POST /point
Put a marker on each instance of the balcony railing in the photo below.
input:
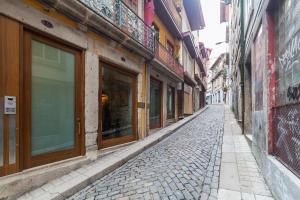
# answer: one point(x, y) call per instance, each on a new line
point(168, 59)
point(170, 4)
point(121, 16)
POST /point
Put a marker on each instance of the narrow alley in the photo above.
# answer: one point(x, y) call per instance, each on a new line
point(187, 165)
point(149, 99)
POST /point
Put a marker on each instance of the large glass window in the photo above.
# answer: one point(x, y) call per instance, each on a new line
point(170, 102)
point(117, 104)
point(155, 103)
point(1, 132)
point(52, 99)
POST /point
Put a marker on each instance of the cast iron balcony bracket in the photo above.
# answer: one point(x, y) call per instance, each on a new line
point(121, 16)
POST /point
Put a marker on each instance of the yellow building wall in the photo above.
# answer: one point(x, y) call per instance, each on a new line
point(165, 35)
point(95, 39)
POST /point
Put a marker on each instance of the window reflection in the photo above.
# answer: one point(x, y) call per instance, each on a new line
point(53, 99)
point(155, 103)
point(117, 104)
point(171, 102)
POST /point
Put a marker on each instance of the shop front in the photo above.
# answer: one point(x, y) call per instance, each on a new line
point(155, 103)
point(41, 88)
point(162, 99)
point(118, 102)
point(170, 102)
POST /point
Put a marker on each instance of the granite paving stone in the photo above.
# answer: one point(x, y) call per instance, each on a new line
point(185, 165)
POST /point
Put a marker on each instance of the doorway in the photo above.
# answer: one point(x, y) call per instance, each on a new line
point(170, 102)
point(52, 101)
point(248, 98)
point(118, 106)
point(155, 103)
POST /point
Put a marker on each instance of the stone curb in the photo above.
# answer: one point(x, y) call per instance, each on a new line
point(77, 180)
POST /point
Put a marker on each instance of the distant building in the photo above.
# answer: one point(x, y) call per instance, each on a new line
point(218, 80)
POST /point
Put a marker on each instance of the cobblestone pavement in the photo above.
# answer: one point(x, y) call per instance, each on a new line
point(186, 165)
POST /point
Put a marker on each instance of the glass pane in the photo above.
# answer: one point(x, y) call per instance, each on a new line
point(1, 131)
point(117, 104)
point(12, 139)
point(155, 101)
point(52, 100)
point(170, 102)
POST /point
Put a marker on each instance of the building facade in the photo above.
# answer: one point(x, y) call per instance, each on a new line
point(264, 56)
point(218, 80)
point(81, 76)
point(165, 73)
point(193, 57)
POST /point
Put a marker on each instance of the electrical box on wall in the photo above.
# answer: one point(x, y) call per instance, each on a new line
point(10, 105)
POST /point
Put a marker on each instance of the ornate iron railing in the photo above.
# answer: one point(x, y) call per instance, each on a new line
point(168, 59)
point(121, 16)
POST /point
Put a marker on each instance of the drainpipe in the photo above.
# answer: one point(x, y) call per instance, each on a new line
point(242, 65)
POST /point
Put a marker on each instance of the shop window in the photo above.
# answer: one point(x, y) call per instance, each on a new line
point(53, 116)
point(118, 100)
point(52, 102)
point(155, 103)
point(1, 132)
point(170, 102)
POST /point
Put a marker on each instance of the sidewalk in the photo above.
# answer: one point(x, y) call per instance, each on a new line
point(240, 176)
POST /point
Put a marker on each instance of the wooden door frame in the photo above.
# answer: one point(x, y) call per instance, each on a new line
point(9, 67)
point(161, 103)
point(125, 139)
point(29, 161)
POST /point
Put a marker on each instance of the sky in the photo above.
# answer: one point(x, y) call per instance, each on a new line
point(214, 32)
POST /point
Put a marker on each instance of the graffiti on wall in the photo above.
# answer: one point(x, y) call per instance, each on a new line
point(287, 137)
point(289, 71)
point(293, 93)
point(289, 57)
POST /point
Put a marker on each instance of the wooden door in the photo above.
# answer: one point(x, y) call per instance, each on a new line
point(53, 100)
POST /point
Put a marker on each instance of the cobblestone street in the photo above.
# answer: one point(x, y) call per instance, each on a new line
point(186, 165)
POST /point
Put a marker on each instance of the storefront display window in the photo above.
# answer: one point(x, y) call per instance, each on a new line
point(51, 103)
point(155, 103)
point(117, 104)
point(1, 132)
point(170, 102)
point(53, 124)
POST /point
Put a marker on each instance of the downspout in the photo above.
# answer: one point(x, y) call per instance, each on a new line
point(242, 65)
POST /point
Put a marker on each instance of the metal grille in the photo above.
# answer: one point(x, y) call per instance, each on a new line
point(119, 14)
point(287, 135)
